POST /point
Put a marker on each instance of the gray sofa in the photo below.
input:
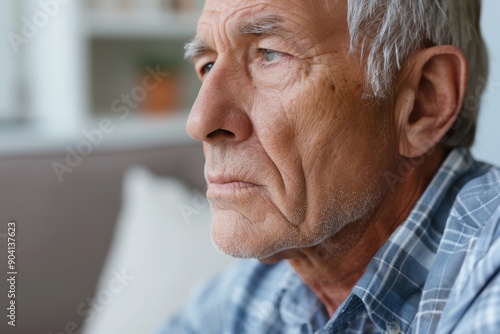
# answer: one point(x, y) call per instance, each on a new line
point(64, 229)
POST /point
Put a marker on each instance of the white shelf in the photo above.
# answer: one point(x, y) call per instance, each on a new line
point(144, 131)
point(132, 133)
point(60, 110)
point(147, 25)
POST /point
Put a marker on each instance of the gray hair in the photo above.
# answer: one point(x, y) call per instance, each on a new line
point(387, 32)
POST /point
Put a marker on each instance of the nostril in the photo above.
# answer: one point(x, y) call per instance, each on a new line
point(221, 133)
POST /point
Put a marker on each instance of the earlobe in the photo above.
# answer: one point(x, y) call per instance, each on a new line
point(429, 98)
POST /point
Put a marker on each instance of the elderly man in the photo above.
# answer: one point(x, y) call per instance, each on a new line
point(336, 135)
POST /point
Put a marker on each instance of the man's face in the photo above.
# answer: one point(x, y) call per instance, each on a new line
point(293, 151)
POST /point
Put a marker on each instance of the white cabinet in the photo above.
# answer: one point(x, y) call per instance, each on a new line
point(87, 54)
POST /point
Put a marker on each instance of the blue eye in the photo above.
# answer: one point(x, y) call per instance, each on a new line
point(206, 68)
point(271, 55)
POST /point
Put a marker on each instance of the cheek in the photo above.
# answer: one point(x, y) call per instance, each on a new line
point(336, 140)
point(323, 123)
point(274, 126)
point(281, 78)
point(323, 141)
point(274, 122)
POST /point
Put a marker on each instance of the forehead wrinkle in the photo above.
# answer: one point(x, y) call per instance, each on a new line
point(267, 25)
point(253, 22)
point(250, 19)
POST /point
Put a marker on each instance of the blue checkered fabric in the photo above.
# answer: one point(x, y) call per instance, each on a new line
point(439, 272)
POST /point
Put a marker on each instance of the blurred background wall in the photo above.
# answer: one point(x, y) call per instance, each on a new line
point(68, 64)
point(487, 145)
point(89, 88)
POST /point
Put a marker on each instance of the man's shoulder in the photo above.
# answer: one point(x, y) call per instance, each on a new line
point(478, 194)
point(243, 280)
point(475, 217)
point(220, 302)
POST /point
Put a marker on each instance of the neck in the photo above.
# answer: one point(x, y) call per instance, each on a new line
point(332, 268)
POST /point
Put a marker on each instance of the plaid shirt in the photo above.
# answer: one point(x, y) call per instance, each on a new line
point(439, 272)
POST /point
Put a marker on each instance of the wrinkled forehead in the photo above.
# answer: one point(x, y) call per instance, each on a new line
point(230, 16)
point(315, 16)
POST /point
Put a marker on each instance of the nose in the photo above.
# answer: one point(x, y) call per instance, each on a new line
point(220, 111)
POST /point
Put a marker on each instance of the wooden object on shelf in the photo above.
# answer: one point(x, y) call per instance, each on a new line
point(183, 5)
point(164, 98)
point(165, 95)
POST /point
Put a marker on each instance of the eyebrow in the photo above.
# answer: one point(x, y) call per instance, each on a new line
point(267, 25)
point(195, 49)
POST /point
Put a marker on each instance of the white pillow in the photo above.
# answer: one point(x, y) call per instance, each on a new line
point(161, 250)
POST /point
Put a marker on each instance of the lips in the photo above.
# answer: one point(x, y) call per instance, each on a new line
point(219, 185)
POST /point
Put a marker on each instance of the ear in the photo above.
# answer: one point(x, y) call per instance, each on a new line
point(430, 93)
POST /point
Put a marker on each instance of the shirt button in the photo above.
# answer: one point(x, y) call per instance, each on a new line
point(392, 328)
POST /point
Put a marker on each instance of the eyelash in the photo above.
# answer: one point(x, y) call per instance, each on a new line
point(264, 63)
point(259, 51)
point(204, 67)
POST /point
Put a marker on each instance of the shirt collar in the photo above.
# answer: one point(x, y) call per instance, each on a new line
point(299, 304)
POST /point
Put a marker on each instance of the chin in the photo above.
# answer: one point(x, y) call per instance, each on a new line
point(270, 240)
point(236, 235)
